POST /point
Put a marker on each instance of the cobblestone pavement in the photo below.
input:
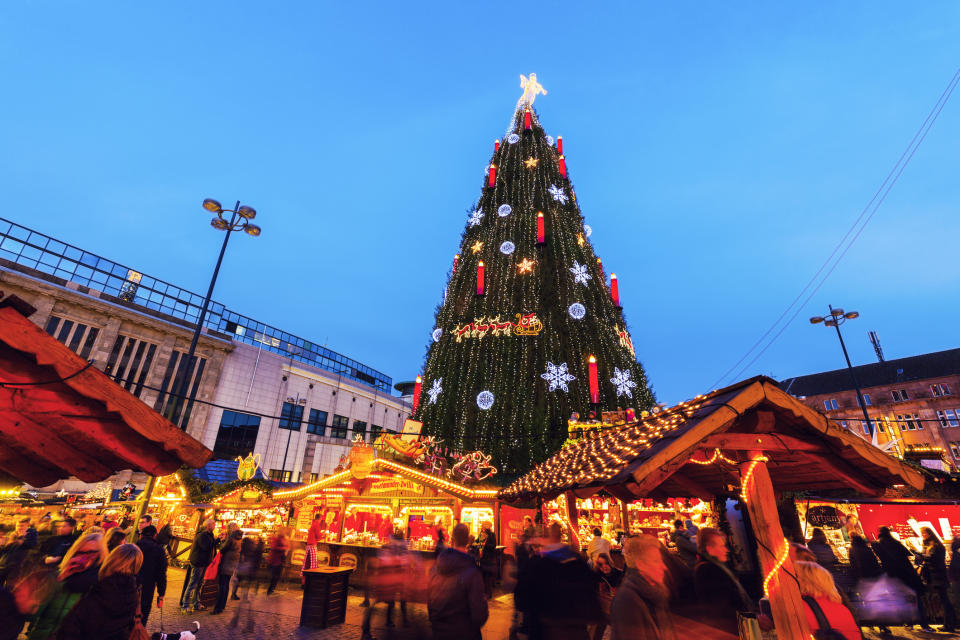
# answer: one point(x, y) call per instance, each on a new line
point(278, 616)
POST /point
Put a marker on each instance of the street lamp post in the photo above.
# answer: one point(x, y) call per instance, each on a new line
point(240, 217)
point(834, 319)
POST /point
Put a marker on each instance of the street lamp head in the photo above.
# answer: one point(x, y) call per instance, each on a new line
point(836, 313)
point(816, 320)
point(212, 205)
point(830, 323)
point(850, 315)
point(247, 212)
point(219, 223)
point(252, 230)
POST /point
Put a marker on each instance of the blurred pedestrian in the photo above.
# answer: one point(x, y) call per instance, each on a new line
point(314, 537)
point(933, 571)
point(153, 572)
point(720, 596)
point(229, 560)
point(597, 545)
point(824, 553)
point(16, 549)
point(77, 574)
point(109, 609)
point(279, 545)
point(863, 561)
point(640, 606)
point(823, 604)
point(683, 540)
point(201, 554)
point(387, 573)
point(488, 557)
point(610, 579)
point(115, 537)
point(455, 597)
point(56, 546)
point(895, 560)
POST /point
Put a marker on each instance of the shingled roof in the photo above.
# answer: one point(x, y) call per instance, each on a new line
point(928, 365)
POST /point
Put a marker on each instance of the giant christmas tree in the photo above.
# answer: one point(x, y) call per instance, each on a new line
point(526, 306)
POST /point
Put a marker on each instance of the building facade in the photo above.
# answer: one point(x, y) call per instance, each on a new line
point(258, 389)
point(914, 401)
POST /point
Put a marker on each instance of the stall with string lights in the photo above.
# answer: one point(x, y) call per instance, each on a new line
point(750, 441)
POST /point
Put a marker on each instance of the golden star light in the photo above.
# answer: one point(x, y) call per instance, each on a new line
point(476, 246)
point(580, 239)
point(531, 162)
point(525, 266)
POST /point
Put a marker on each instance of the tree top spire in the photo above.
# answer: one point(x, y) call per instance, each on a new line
point(531, 88)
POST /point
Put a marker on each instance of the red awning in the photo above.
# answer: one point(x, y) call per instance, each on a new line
point(61, 417)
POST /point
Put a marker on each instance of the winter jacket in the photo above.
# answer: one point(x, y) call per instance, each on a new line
point(719, 595)
point(895, 560)
point(456, 600)
point(203, 547)
point(640, 610)
point(826, 558)
point(558, 591)
point(954, 571)
point(153, 571)
point(279, 545)
point(106, 613)
point(488, 552)
point(934, 569)
point(251, 553)
point(57, 546)
point(864, 563)
point(58, 604)
point(230, 554)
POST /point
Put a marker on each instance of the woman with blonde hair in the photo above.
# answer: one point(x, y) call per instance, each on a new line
point(77, 575)
point(109, 610)
point(823, 601)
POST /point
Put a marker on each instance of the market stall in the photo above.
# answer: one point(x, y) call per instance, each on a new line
point(749, 442)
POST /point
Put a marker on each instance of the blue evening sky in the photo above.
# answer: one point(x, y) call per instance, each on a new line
point(719, 151)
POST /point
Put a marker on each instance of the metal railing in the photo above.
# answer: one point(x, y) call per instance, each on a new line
point(40, 252)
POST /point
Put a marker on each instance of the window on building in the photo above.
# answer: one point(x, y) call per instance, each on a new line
point(280, 476)
point(77, 336)
point(830, 405)
point(866, 400)
point(237, 435)
point(339, 427)
point(313, 478)
point(949, 417)
point(939, 390)
point(955, 450)
point(866, 427)
point(909, 421)
point(843, 423)
point(899, 395)
point(317, 423)
point(360, 428)
point(291, 416)
point(375, 430)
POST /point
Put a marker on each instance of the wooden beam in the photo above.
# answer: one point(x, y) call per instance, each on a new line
point(46, 444)
point(787, 607)
point(692, 488)
point(18, 463)
point(838, 470)
point(758, 421)
point(759, 442)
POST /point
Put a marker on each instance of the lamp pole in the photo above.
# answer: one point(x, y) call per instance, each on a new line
point(834, 319)
point(179, 407)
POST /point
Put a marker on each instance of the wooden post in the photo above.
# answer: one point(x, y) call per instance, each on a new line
point(573, 516)
point(788, 609)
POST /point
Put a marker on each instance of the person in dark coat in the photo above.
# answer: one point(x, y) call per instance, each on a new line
point(640, 609)
point(488, 558)
point(933, 571)
point(610, 579)
point(13, 555)
point(683, 540)
point(109, 610)
point(204, 546)
point(557, 591)
point(719, 593)
point(229, 560)
point(153, 573)
point(863, 561)
point(895, 560)
point(455, 599)
point(56, 546)
point(954, 571)
point(818, 544)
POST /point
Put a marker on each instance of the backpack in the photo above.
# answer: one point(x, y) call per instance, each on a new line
point(824, 630)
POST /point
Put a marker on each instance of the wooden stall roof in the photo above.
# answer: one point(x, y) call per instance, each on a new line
point(61, 417)
point(402, 470)
point(693, 449)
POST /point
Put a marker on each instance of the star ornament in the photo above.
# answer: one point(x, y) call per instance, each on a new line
point(531, 162)
point(525, 266)
point(580, 239)
point(477, 246)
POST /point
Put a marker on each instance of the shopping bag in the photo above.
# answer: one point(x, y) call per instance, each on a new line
point(213, 568)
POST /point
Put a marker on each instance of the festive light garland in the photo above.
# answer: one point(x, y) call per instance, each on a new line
point(717, 455)
point(748, 476)
point(784, 554)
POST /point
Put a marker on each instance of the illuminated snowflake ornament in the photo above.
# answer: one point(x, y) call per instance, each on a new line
point(507, 247)
point(485, 400)
point(588, 230)
point(550, 140)
point(580, 274)
point(504, 210)
point(557, 376)
point(577, 311)
point(513, 138)
point(558, 194)
point(621, 379)
point(435, 390)
point(436, 334)
point(475, 218)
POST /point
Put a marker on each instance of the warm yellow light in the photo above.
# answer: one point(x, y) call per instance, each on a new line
point(481, 263)
point(419, 379)
point(592, 359)
point(539, 214)
point(613, 276)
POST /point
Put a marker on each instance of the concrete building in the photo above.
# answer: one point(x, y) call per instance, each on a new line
point(258, 389)
point(915, 401)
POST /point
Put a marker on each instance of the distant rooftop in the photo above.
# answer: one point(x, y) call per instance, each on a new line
point(921, 367)
point(37, 251)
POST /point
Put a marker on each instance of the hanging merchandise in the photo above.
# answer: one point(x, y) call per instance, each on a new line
point(580, 274)
point(558, 195)
point(435, 390)
point(577, 311)
point(485, 400)
point(621, 379)
point(557, 376)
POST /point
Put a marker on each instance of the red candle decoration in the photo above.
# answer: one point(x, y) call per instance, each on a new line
point(456, 261)
point(540, 232)
point(563, 166)
point(527, 120)
point(496, 145)
point(416, 394)
point(614, 289)
point(492, 177)
point(480, 282)
point(560, 144)
point(594, 385)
